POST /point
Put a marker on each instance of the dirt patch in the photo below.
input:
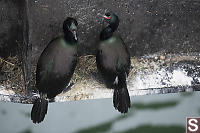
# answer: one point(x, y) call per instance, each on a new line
point(11, 74)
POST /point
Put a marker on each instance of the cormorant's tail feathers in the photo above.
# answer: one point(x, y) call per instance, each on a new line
point(121, 100)
point(39, 110)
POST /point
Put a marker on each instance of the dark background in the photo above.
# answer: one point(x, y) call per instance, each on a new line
point(147, 26)
point(11, 26)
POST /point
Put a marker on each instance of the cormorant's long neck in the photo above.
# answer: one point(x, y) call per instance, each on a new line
point(69, 37)
point(114, 25)
point(107, 32)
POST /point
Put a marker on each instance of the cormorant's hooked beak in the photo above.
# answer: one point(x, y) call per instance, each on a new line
point(73, 29)
point(75, 35)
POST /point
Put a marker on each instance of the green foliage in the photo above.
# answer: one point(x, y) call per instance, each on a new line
point(154, 105)
point(98, 129)
point(103, 127)
point(156, 129)
point(26, 131)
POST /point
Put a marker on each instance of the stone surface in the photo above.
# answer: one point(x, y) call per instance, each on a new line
point(166, 26)
point(148, 27)
point(11, 26)
point(147, 77)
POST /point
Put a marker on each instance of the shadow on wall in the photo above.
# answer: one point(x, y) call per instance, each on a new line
point(11, 25)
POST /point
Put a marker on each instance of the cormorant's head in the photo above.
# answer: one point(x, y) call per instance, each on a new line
point(111, 17)
point(70, 25)
point(113, 21)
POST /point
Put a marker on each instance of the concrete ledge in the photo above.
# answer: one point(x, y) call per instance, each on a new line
point(154, 74)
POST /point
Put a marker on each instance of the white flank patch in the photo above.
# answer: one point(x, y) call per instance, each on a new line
point(116, 80)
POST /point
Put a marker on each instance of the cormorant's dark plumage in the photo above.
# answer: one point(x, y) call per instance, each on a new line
point(55, 68)
point(113, 62)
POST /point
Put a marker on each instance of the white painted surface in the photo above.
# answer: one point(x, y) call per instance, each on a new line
point(71, 117)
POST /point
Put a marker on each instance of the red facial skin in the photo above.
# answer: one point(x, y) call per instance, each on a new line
point(107, 17)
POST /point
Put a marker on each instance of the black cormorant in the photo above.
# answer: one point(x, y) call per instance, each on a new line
point(55, 68)
point(113, 62)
